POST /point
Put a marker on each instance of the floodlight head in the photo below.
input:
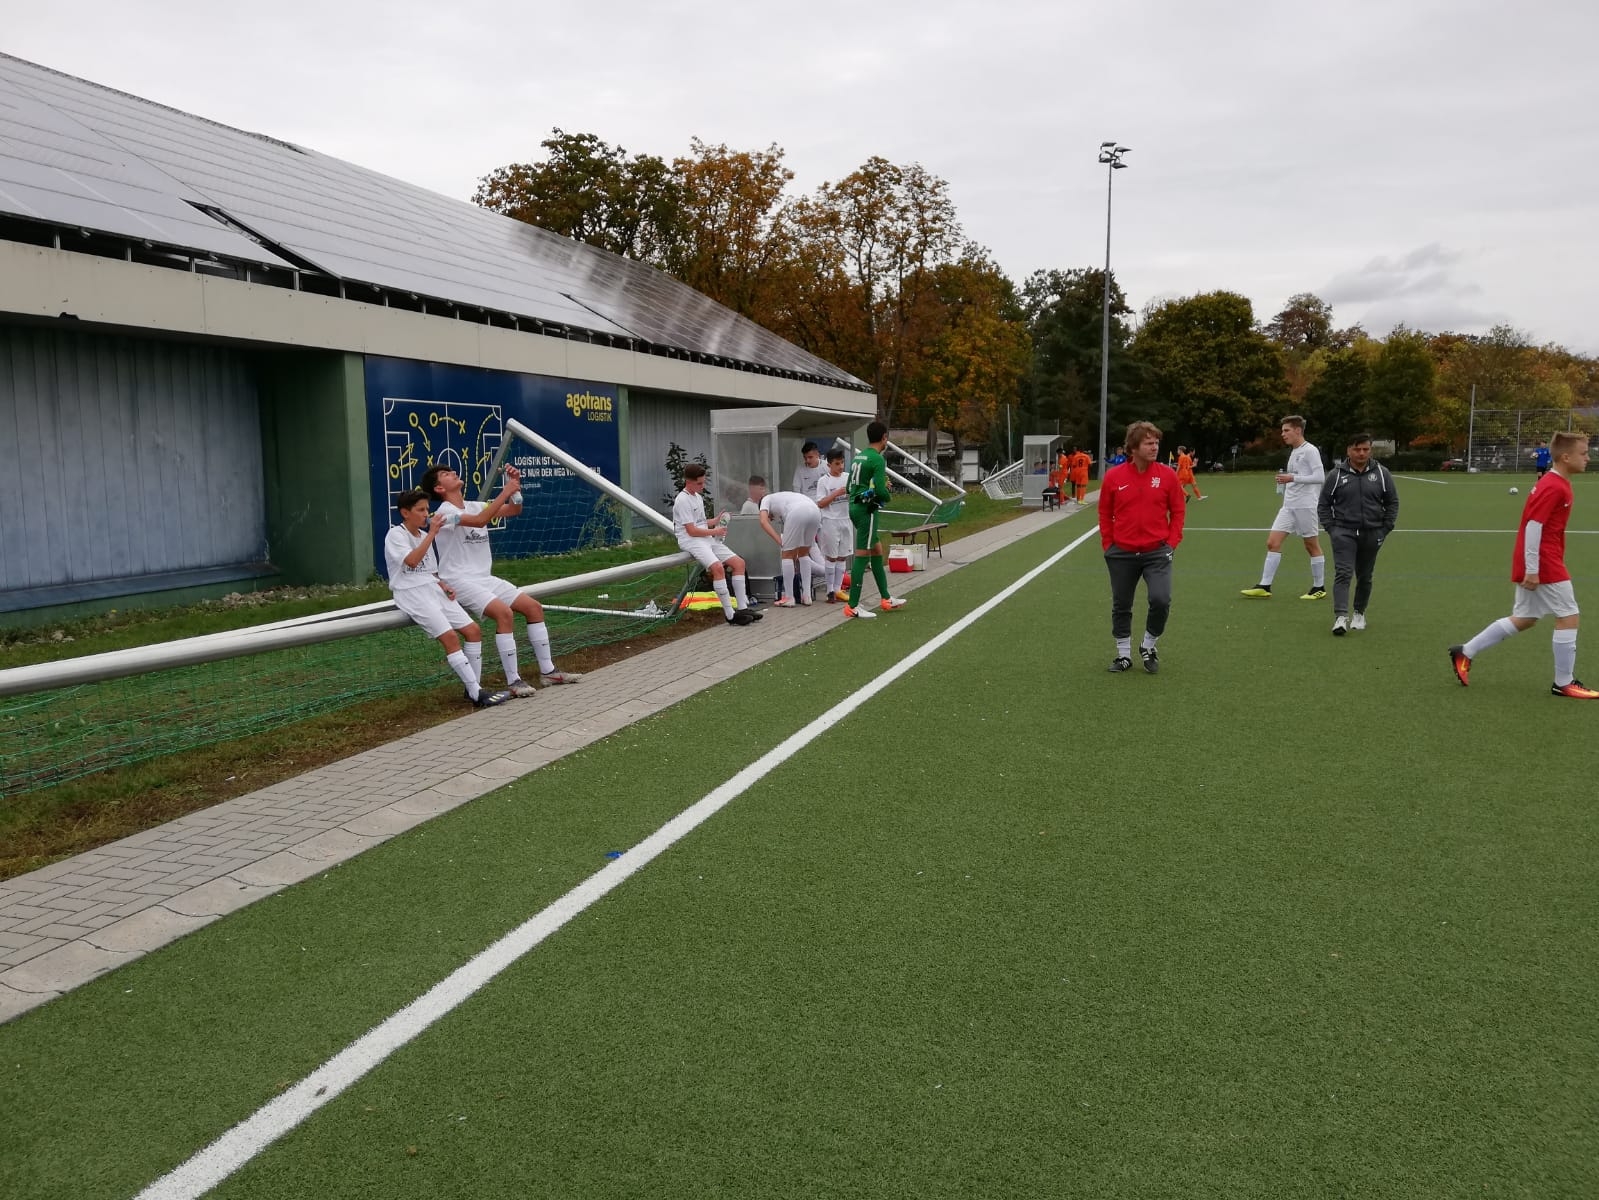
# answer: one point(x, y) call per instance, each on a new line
point(1118, 166)
point(1106, 145)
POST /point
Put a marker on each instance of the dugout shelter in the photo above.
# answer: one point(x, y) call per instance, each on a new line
point(223, 355)
point(1039, 452)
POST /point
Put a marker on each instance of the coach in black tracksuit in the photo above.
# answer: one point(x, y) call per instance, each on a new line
point(1359, 508)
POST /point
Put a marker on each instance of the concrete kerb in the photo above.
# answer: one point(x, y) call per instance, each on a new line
point(308, 839)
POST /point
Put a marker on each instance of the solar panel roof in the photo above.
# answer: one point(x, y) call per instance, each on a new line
point(75, 153)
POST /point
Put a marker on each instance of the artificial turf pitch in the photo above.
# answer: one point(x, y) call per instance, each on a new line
point(1298, 916)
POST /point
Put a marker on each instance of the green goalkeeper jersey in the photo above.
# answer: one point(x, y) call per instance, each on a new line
point(867, 472)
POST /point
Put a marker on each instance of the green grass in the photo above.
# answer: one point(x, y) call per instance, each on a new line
point(1298, 917)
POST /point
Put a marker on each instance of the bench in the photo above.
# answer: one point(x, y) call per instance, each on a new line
point(931, 530)
point(1051, 498)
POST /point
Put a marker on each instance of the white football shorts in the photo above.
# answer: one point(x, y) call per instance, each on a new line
point(430, 608)
point(706, 551)
point(838, 539)
point(799, 530)
point(1301, 522)
point(478, 594)
point(1546, 600)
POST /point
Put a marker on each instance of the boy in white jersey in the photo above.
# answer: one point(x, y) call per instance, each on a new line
point(801, 522)
point(467, 565)
point(1300, 486)
point(809, 471)
point(421, 595)
point(702, 538)
point(837, 537)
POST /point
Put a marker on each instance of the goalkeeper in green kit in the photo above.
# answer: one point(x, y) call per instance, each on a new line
point(868, 492)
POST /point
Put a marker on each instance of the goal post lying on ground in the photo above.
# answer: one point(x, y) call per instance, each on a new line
point(65, 719)
point(1005, 483)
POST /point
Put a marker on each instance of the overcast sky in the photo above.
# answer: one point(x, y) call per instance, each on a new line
point(1428, 161)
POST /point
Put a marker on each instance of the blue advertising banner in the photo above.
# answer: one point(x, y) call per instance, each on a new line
point(419, 414)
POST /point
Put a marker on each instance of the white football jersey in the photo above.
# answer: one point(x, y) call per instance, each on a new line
point(781, 506)
point(396, 546)
point(805, 478)
point(825, 486)
point(1304, 464)
point(688, 509)
point(463, 552)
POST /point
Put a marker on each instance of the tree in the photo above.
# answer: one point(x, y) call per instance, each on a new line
point(1304, 324)
point(1401, 387)
point(729, 239)
point(883, 228)
point(1333, 404)
point(591, 192)
point(1213, 379)
point(1065, 311)
point(978, 359)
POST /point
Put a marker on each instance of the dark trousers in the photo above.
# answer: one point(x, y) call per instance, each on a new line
point(1126, 569)
point(1354, 554)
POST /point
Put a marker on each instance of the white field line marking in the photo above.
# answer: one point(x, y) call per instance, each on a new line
point(1402, 529)
point(1419, 479)
point(245, 1140)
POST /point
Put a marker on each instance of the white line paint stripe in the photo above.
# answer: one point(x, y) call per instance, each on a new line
point(1402, 529)
point(1419, 479)
point(252, 1135)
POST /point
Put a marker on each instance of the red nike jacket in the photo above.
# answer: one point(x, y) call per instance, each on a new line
point(1141, 510)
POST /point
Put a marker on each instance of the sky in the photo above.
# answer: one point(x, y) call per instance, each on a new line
point(1431, 162)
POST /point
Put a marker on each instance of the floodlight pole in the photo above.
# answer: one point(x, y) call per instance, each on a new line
point(1111, 155)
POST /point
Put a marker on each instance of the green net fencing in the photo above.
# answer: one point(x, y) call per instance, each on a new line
point(51, 737)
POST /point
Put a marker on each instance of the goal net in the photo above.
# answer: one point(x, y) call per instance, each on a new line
point(1506, 439)
point(601, 561)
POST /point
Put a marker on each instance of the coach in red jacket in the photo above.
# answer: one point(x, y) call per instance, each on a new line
point(1141, 510)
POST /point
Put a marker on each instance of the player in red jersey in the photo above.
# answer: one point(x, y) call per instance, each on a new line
point(1141, 509)
point(1538, 568)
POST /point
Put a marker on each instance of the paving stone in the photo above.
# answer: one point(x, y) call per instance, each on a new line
point(14, 1003)
point(277, 871)
point(331, 846)
point(384, 822)
point(22, 954)
point(216, 898)
point(64, 968)
point(145, 931)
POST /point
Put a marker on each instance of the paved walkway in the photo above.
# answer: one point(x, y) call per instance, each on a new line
point(65, 924)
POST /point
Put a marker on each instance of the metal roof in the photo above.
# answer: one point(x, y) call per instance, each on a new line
point(73, 153)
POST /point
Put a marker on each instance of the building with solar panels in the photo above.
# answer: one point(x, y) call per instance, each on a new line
point(221, 355)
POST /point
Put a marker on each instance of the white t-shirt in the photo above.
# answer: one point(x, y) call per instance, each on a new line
point(396, 546)
point(463, 552)
point(782, 506)
point(805, 478)
point(688, 509)
point(825, 486)
point(1304, 464)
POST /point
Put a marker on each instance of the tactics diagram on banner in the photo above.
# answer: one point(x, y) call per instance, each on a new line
point(420, 433)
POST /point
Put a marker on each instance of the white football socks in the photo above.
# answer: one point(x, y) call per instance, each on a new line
point(1565, 656)
point(505, 643)
point(463, 671)
point(719, 586)
point(474, 655)
point(538, 636)
point(1318, 571)
point(1501, 629)
point(1269, 571)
